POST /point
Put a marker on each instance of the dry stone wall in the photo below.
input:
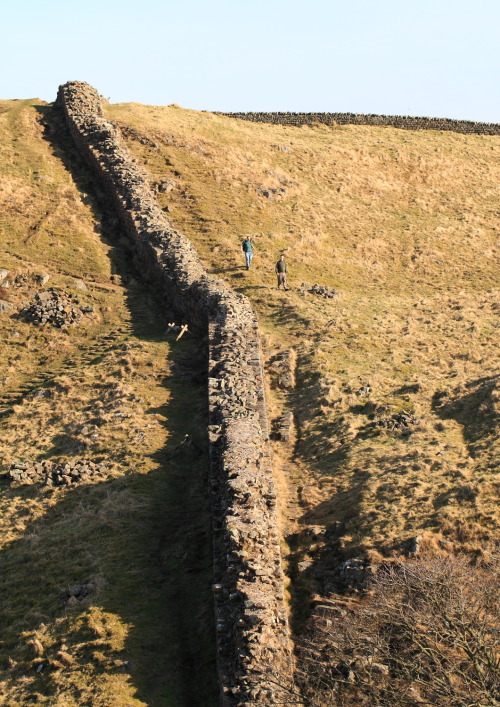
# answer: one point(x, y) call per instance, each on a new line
point(405, 122)
point(254, 650)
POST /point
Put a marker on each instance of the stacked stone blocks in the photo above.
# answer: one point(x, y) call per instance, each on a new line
point(404, 122)
point(252, 635)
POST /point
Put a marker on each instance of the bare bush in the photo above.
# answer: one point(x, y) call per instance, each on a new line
point(427, 633)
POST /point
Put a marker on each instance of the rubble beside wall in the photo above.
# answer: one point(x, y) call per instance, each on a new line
point(252, 635)
point(405, 122)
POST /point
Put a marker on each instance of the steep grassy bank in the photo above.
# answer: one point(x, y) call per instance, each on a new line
point(105, 586)
point(404, 226)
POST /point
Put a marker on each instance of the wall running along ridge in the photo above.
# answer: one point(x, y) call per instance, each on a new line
point(395, 121)
point(252, 634)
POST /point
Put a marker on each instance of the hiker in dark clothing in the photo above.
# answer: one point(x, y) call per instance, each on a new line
point(280, 270)
point(248, 247)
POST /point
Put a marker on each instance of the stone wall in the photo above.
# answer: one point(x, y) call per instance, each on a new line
point(253, 645)
point(395, 121)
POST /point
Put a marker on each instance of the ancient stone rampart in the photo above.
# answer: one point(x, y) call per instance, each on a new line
point(405, 122)
point(254, 650)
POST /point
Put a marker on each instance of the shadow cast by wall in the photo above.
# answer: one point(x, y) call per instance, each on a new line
point(475, 407)
point(336, 528)
point(144, 543)
point(148, 536)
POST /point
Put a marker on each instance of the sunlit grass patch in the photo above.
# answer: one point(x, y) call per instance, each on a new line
point(402, 225)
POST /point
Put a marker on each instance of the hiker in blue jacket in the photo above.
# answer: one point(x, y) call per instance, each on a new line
point(248, 247)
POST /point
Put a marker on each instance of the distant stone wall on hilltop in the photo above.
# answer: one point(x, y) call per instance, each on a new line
point(467, 127)
point(252, 633)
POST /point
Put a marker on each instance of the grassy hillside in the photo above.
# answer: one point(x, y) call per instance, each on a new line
point(105, 586)
point(403, 225)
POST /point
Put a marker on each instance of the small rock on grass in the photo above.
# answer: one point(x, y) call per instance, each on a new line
point(42, 279)
point(6, 306)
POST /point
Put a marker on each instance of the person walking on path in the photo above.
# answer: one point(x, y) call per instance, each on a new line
point(248, 247)
point(281, 271)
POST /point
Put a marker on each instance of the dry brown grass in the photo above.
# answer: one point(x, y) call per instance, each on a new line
point(426, 633)
point(101, 390)
point(404, 225)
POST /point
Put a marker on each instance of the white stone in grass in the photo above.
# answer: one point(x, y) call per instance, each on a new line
point(6, 306)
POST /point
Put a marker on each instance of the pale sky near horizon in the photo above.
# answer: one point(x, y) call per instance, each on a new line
point(437, 58)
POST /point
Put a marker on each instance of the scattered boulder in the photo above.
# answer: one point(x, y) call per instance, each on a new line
point(23, 280)
point(283, 366)
point(166, 186)
point(134, 134)
point(380, 669)
point(282, 179)
point(42, 279)
point(50, 474)
point(401, 421)
point(322, 290)
point(271, 194)
point(355, 572)
point(72, 596)
point(4, 274)
point(413, 546)
point(364, 390)
point(6, 306)
point(284, 427)
point(367, 664)
point(55, 308)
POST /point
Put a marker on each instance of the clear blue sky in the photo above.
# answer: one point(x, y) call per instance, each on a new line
point(437, 58)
